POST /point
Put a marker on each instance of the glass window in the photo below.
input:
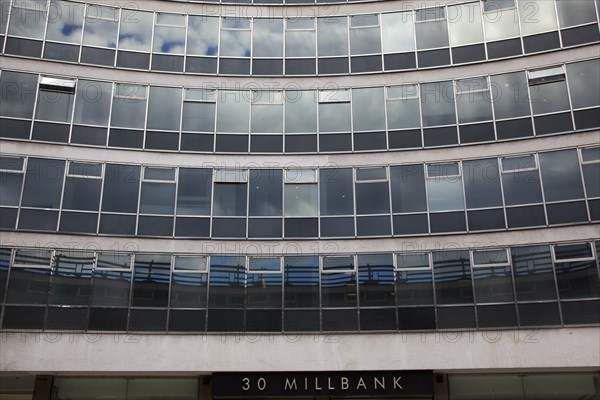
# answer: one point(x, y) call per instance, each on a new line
point(575, 13)
point(414, 279)
point(368, 109)
point(121, 186)
point(233, 111)
point(520, 180)
point(365, 36)
point(266, 187)
point(129, 106)
point(576, 271)
point(473, 100)
point(82, 187)
point(337, 197)
point(189, 287)
point(194, 191)
point(376, 280)
point(465, 24)
point(537, 16)
point(332, 36)
point(43, 176)
point(136, 30)
point(548, 90)
point(235, 37)
point(444, 187)
point(300, 37)
point(591, 170)
point(334, 111)
point(101, 26)
point(169, 33)
point(437, 103)
point(372, 197)
point(452, 271)
point(227, 282)
point(509, 94)
point(92, 105)
point(203, 33)
point(408, 188)
point(17, 94)
point(230, 199)
point(199, 110)
point(112, 278)
point(338, 281)
point(500, 19)
point(267, 112)
point(55, 99)
point(65, 21)
point(151, 280)
point(264, 282)
point(71, 277)
point(403, 107)
point(11, 180)
point(164, 108)
point(268, 37)
point(482, 183)
point(300, 199)
point(300, 111)
point(492, 276)
point(28, 18)
point(301, 281)
point(29, 281)
point(158, 192)
point(431, 28)
point(534, 278)
point(561, 175)
point(398, 33)
point(584, 83)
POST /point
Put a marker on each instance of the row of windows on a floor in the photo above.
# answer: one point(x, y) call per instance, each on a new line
point(490, 287)
point(454, 196)
point(161, 41)
point(476, 109)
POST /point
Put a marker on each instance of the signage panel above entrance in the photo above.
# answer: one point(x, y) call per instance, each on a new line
point(397, 384)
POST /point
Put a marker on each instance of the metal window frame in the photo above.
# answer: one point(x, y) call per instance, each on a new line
point(397, 267)
point(493, 264)
point(253, 271)
point(512, 171)
point(175, 256)
point(131, 262)
point(71, 175)
point(37, 266)
point(354, 269)
point(555, 260)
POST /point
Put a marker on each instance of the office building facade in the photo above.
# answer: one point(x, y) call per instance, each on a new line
point(269, 199)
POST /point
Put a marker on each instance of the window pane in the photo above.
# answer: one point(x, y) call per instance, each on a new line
point(493, 284)
point(198, 116)
point(473, 100)
point(372, 198)
point(537, 16)
point(230, 199)
point(266, 187)
point(18, 94)
point(129, 106)
point(121, 186)
point(368, 109)
point(335, 187)
point(233, 111)
point(136, 30)
point(301, 276)
point(338, 290)
point(403, 107)
point(522, 187)
point(235, 41)
point(264, 290)
point(366, 39)
point(432, 33)
point(464, 21)
point(332, 36)
point(300, 37)
point(203, 35)
point(227, 282)
point(101, 26)
point(169, 33)
point(376, 280)
point(300, 111)
point(500, 23)
point(571, 13)
point(509, 93)
point(445, 193)
point(65, 22)
point(300, 200)
point(157, 198)
point(29, 20)
point(334, 117)
point(452, 272)
point(54, 105)
point(398, 33)
point(414, 287)
point(584, 82)
point(561, 176)
point(482, 183)
point(408, 188)
point(164, 108)
point(549, 97)
point(534, 279)
point(268, 37)
point(43, 176)
point(93, 102)
point(151, 280)
point(194, 191)
point(82, 194)
point(71, 278)
point(437, 103)
point(189, 290)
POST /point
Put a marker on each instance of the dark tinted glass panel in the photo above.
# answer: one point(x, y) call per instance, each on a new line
point(121, 186)
point(521, 217)
point(408, 188)
point(534, 279)
point(155, 226)
point(300, 66)
point(337, 227)
point(522, 187)
point(157, 197)
point(399, 61)
point(71, 278)
point(38, 220)
point(370, 141)
point(497, 316)
point(411, 224)
point(561, 176)
point(263, 321)
point(229, 227)
point(162, 140)
point(339, 320)
point(564, 213)
point(539, 314)
point(126, 59)
point(300, 143)
point(266, 188)
point(301, 227)
point(234, 66)
point(89, 135)
point(338, 290)
point(452, 271)
point(482, 183)
point(197, 142)
point(486, 219)
point(12, 128)
point(201, 65)
point(266, 143)
point(117, 224)
point(366, 64)
point(301, 320)
point(553, 123)
point(414, 287)
point(513, 129)
point(63, 52)
point(187, 320)
point(373, 226)
point(227, 282)
point(148, 320)
point(230, 199)
point(372, 198)
point(111, 288)
point(107, 319)
point(8, 218)
point(581, 312)
point(28, 286)
point(577, 279)
point(23, 317)
point(48, 132)
point(66, 318)
point(4, 264)
point(43, 176)
point(194, 191)
point(505, 48)
point(23, 47)
point(376, 280)
point(448, 222)
point(263, 290)
point(333, 66)
point(433, 58)
point(82, 194)
point(18, 94)
point(225, 320)
point(126, 138)
point(162, 62)
point(232, 143)
point(545, 41)
point(440, 136)
point(404, 139)
point(189, 290)
point(456, 317)
point(467, 54)
point(493, 284)
point(477, 133)
point(336, 191)
point(301, 281)
point(335, 142)
point(151, 280)
point(378, 319)
point(419, 318)
point(267, 67)
point(91, 55)
point(265, 227)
